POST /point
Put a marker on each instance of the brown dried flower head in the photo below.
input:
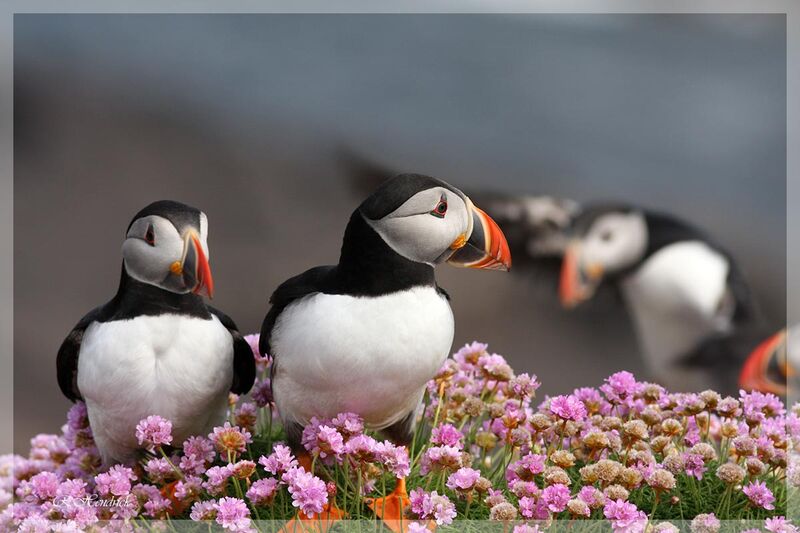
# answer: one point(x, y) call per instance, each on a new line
point(731, 473)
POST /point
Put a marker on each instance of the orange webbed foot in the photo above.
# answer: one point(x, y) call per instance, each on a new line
point(390, 508)
point(302, 523)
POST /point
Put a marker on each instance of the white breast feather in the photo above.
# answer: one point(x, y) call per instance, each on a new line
point(368, 355)
point(175, 366)
point(675, 299)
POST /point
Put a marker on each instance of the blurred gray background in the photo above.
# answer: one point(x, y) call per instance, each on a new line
point(247, 117)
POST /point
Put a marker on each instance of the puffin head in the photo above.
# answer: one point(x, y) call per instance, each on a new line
point(605, 241)
point(166, 246)
point(429, 221)
point(538, 226)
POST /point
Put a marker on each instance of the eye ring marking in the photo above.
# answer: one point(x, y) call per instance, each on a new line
point(150, 236)
point(441, 208)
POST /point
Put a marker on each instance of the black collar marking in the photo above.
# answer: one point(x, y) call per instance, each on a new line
point(135, 298)
point(369, 267)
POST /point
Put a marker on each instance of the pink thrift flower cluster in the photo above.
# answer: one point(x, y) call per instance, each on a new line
point(628, 452)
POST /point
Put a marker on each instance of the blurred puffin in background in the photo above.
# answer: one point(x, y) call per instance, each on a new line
point(774, 365)
point(367, 334)
point(156, 348)
point(691, 307)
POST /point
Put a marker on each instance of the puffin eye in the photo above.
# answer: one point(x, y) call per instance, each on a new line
point(150, 236)
point(607, 235)
point(440, 209)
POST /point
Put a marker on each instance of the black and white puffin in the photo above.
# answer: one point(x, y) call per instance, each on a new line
point(366, 335)
point(691, 308)
point(156, 347)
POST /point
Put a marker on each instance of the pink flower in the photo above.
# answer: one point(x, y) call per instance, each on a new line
point(625, 517)
point(568, 408)
point(438, 458)
point(158, 469)
point(620, 386)
point(591, 496)
point(468, 355)
point(206, 510)
point(262, 392)
point(779, 524)
point(198, 452)
point(155, 505)
point(230, 440)
point(322, 440)
point(309, 493)
point(533, 509)
point(693, 464)
point(361, 448)
point(463, 479)
point(117, 481)
point(246, 415)
point(526, 468)
point(556, 497)
point(524, 385)
point(233, 514)
point(348, 424)
point(525, 528)
point(188, 488)
point(705, 523)
point(760, 495)
point(394, 458)
point(262, 491)
point(592, 400)
point(280, 461)
point(44, 485)
point(71, 488)
point(154, 431)
point(432, 506)
point(217, 478)
point(447, 435)
point(261, 360)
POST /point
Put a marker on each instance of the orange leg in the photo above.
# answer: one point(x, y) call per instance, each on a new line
point(321, 523)
point(390, 508)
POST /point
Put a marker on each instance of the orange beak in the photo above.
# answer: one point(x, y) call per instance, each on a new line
point(485, 248)
point(195, 269)
point(767, 368)
point(577, 283)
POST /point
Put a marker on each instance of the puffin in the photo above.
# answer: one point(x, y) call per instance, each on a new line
point(365, 335)
point(156, 348)
point(691, 307)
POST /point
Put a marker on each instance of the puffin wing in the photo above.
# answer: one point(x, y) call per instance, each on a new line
point(244, 364)
point(309, 282)
point(67, 359)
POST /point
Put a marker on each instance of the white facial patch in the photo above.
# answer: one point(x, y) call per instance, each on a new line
point(151, 263)
point(615, 241)
point(414, 232)
point(204, 234)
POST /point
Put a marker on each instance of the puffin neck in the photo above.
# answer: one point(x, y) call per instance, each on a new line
point(135, 298)
point(369, 267)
